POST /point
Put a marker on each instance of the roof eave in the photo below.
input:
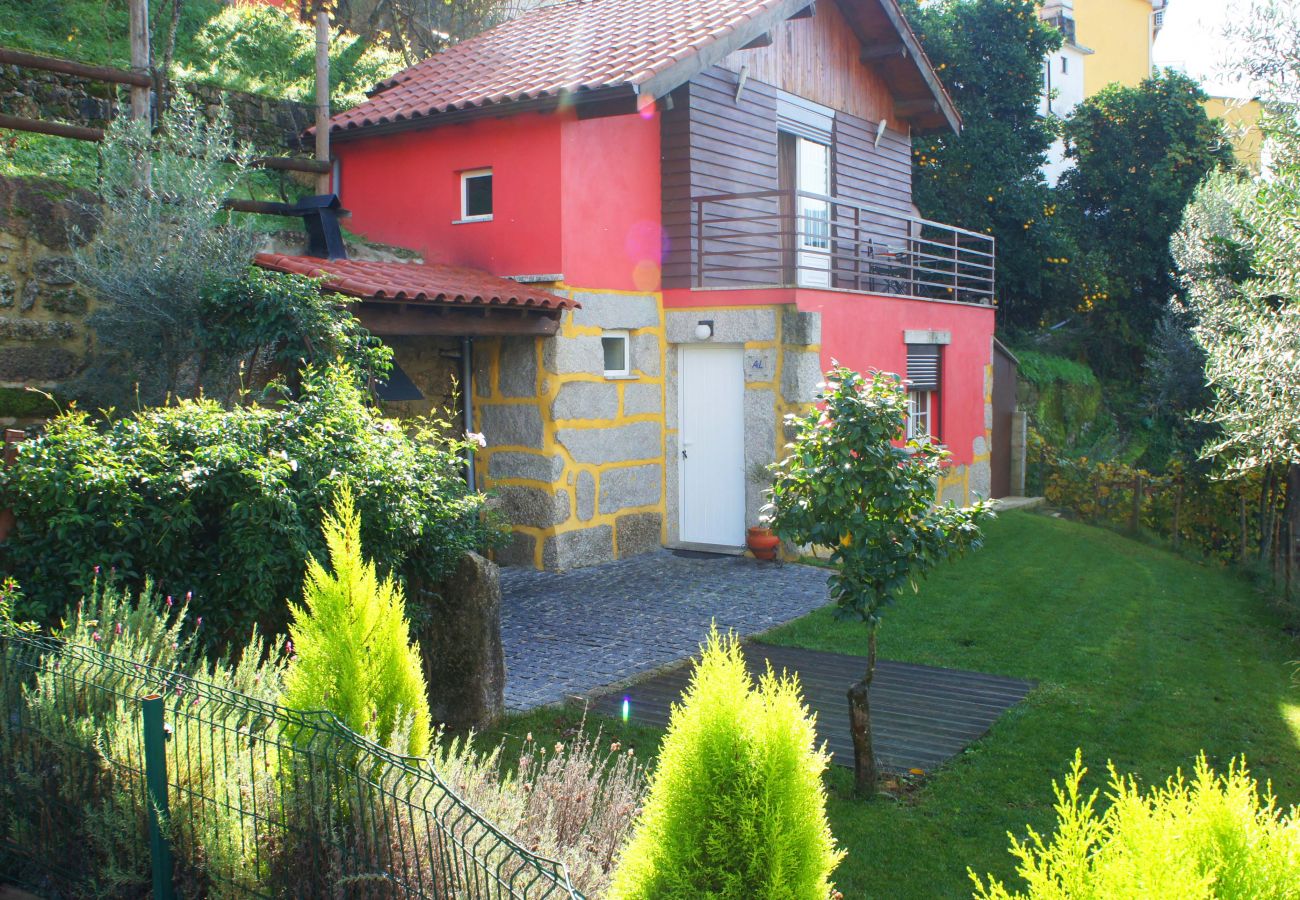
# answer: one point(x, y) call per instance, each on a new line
point(578, 100)
point(946, 108)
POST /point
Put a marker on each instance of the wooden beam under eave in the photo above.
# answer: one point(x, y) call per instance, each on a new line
point(806, 13)
point(763, 40)
point(393, 320)
point(884, 51)
point(907, 109)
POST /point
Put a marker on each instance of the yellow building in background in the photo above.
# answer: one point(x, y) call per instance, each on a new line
point(1120, 34)
point(1241, 122)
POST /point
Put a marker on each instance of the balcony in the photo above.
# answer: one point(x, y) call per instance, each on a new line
point(788, 239)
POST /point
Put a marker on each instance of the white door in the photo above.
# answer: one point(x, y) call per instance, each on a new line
point(813, 177)
point(712, 455)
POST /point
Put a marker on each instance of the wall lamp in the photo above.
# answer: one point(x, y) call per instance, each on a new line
point(704, 329)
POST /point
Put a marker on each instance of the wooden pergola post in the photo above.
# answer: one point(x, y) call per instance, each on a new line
point(323, 179)
point(140, 57)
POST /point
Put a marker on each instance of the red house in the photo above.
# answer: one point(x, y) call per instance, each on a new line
point(648, 226)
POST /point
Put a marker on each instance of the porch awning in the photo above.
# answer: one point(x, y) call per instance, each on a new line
point(406, 298)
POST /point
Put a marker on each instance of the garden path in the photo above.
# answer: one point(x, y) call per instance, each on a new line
point(567, 634)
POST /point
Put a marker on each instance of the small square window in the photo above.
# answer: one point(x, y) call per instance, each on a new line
point(615, 344)
point(476, 195)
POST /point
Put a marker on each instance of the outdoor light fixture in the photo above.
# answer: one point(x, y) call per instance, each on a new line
point(704, 329)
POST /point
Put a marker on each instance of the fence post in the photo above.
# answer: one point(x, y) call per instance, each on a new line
point(1135, 519)
point(155, 779)
point(1178, 514)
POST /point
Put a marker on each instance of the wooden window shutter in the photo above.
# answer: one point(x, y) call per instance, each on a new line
point(923, 367)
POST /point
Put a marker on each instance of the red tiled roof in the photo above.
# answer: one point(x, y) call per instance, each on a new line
point(415, 282)
point(570, 47)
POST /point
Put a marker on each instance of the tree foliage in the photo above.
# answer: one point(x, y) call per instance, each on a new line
point(268, 325)
point(989, 55)
point(1138, 155)
point(159, 243)
point(736, 807)
point(850, 484)
point(354, 654)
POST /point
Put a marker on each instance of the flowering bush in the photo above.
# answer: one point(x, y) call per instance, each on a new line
point(70, 745)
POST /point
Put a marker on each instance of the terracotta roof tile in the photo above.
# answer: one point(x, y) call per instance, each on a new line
point(415, 282)
point(570, 47)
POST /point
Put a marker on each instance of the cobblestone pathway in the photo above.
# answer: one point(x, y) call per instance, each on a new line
point(568, 633)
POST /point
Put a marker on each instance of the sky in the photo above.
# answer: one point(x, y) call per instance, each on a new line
point(1193, 41)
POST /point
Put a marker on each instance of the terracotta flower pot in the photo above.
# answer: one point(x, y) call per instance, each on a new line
point(762, 542)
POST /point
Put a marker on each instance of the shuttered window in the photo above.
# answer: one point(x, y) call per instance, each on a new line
point(795, 115)
point(923, 366)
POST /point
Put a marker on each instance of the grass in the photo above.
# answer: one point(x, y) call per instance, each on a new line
point(1142, 657)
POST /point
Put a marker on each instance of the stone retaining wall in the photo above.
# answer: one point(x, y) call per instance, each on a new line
point(43, 333)
point(271, 125)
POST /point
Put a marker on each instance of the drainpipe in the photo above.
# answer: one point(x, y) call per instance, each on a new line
point(467, 393)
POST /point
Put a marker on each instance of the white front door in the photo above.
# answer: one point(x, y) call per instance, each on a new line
point(712, 456)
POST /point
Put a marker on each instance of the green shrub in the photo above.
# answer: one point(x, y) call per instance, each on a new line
point(353, 644)
point(227, 503)
point(736, 807)
point(267, 325)
point(1043, 369)
point(1212, 837)
point(70, 746)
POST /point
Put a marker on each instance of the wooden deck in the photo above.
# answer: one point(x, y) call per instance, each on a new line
point(922, 716)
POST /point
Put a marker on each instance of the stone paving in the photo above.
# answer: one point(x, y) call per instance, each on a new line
point(568, 633)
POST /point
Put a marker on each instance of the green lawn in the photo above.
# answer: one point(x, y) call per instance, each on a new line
point(1142, 657)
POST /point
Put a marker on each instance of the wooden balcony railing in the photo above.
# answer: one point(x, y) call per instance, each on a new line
point(799, 239)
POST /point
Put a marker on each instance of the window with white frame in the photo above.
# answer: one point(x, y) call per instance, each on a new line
point(618, 357)
point(476, 195)
point(923, 382)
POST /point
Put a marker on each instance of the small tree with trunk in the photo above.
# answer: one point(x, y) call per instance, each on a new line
point(852, 483)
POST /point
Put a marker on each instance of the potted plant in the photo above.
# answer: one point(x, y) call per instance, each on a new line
point(759, 538)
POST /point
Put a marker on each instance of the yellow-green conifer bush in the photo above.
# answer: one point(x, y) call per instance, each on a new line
point(1210, 837)
point(736, 807)
point(354, 652)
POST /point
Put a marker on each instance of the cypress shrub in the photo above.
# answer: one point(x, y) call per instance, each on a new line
point(354, 652)
point(1210, 837)
point(736, 807)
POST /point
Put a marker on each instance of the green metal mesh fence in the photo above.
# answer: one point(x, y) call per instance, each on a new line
point(260, 800)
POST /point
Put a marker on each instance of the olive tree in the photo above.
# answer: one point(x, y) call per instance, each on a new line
point(1238, 255)
point(850, 482)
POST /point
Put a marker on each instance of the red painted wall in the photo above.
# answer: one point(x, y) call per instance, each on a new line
point(611, 202)
point(864, 332)
point(404, 189)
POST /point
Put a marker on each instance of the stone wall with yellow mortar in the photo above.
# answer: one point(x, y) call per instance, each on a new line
point(585, 467)
point(575, 457)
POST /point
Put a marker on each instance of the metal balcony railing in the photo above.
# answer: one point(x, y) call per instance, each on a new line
point(801, 239)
